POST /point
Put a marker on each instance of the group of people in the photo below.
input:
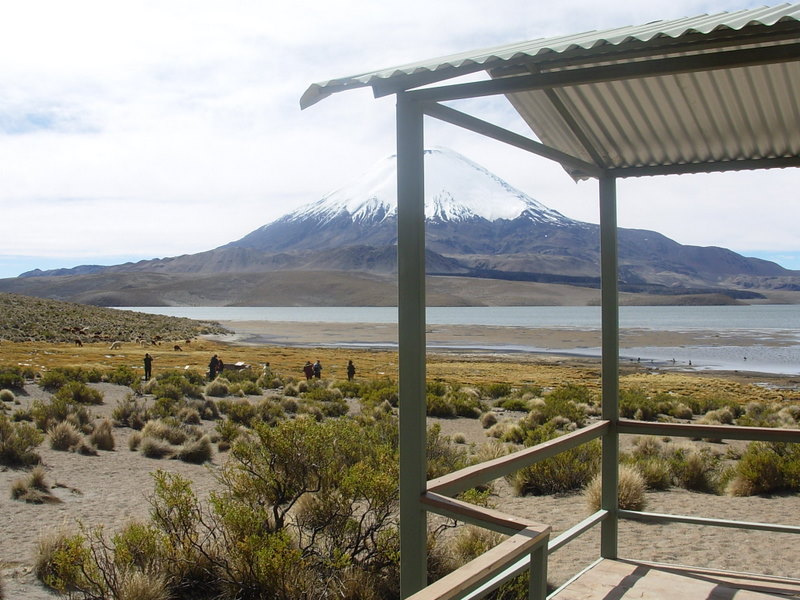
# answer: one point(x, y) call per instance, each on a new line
point(216, 366)
point(315, 370)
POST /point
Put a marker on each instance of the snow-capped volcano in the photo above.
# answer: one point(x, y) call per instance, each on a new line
point(456, 189)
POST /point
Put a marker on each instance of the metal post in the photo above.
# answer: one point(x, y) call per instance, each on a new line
point(411, 322)
point(610, 366)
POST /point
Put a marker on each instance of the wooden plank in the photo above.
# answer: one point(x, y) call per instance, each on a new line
point(626, 580)
point(475, 572)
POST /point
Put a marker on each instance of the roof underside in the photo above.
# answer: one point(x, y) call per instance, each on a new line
point(698, 94)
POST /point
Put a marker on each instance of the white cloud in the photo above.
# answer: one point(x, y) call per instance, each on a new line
point(157, 128)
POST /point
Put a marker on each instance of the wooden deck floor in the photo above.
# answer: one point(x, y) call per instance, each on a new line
point(626, 580)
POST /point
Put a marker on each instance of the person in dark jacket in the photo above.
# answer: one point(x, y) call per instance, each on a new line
point(308, 370)
point(148, 366)
point(351, 370)
point(317, 369)
point(213, 367)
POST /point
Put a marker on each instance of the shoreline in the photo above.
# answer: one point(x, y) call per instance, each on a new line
point(689, 351)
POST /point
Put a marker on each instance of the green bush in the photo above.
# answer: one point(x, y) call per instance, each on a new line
point(78, 393)
point(17, 443)
point(323, 394)
point(7, 395)
point(767, 467)
point(47, 413)
point(11, 377)
point(217, 388)
point(496, 390)
point(376, 391)
point(241, 411)
point(696, 470)
point(438, 406)
point(123, 375)
point(130, 413)
point(567, 471)
point(436, 388)
point(515, 403)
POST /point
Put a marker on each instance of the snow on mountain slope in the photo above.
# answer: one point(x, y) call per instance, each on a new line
point(456, 189)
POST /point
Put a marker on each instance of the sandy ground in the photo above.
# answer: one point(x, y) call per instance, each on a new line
point(111, 489)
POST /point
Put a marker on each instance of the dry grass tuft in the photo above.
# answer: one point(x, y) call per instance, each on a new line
point(33, 489)
point(152, 447)
point(102, 437)
point(630, 494)
point(136, 585)
point(196, 452)
point(64, 436)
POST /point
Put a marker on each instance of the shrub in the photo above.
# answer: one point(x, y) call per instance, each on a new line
point(515, 403)
point(766, 467)
point(134, 441)
point(196, 452)
point(123, 375)
point(63, 436)
point(321, 394)
point(217, 388)
point(11, 377)
point(289, 405)
point(270, 411)
point(59, 557)
point(164, 431)
point(129, 413)
point(438, 406)
point(79, 393)
point(7, 395)
point(17, 443)
point(375, 391)
point(488, 419)
point(630, 491)
point(459, 438)
point(695, 470)
point(155, 448)
point(190, 416)
point(227, 430)
point(241, 411)
point(33, 489)
point(58, 409)
point(496, 390)
point(442, 456)
point(567, 471)
point(102, 437)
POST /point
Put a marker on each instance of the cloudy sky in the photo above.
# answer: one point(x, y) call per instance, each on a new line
point(132, 130)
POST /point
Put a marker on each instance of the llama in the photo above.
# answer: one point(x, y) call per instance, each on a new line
point(78, 342)
point(177, 348)
point(115, 345)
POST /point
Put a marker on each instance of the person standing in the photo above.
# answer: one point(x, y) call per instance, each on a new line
point(148, 366)
point(351, 370)
point(308, 370)
point(317, 369)
point(213, 366)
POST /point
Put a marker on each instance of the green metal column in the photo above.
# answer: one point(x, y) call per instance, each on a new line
point(610, 366)
point(411, 321)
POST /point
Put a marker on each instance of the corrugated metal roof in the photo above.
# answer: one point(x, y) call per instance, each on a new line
point(743, 112)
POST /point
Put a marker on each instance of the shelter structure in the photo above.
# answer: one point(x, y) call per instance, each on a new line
point(693, 95)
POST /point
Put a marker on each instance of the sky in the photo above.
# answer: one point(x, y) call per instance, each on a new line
point(136, 130)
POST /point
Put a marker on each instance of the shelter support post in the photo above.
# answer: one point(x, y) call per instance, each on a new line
point(610, 364)
point(411, 325)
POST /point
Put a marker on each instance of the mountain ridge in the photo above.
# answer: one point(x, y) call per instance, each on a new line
point(477, 226)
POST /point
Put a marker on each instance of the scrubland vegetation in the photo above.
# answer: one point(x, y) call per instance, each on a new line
point(307, 497)
point(27, 319)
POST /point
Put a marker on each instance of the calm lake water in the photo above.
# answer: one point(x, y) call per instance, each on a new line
point(775, 327)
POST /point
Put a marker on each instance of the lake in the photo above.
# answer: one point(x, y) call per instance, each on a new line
point(767, 323)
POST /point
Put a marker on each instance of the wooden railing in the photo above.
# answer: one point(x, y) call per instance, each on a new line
point(529, 545)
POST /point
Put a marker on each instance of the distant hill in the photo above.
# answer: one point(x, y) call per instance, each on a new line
point(477, 227)
point(27, 319)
